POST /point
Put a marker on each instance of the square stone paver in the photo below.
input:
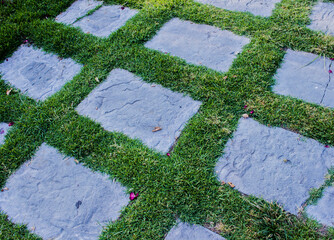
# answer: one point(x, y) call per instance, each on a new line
point(305, 76)
point(185, 231)
point(61, 199)
point(125, 103)
point(3, 131)
point(78, 9)
point(105, 20)
point(199, 44)
point(322, 18)
point(274, 163)
point(323, 211)
point(36, 73)
point(257, 7)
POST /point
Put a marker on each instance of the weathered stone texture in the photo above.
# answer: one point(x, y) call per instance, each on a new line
point(274, 163)
point(322, 18)
point(78, 9)
point(305, 76)
point(105, 20)
point(257, 7)
point(125, 103)
point(61, 199)
point(199, 44)
point(36, 73)
point(185, 231)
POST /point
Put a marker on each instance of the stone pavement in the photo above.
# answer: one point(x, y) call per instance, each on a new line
point(61, 199)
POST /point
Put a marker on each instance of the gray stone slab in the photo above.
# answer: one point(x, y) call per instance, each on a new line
point(324, 210)
point(257, 7)
point(328, 99)
point(3, 131)
point(36, 73)
point(322, 18)
point(198, 43)
point(61, 199)
point(78, 9)
point(305, 76)
point(106, 20)
point(125, 103)
point(274, 163)
point(185, 231)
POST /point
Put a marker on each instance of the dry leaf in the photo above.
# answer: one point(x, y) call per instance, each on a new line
point(234, 76)
point(77, 162)
point(33, 228)
point(97, 79)
point(8, 91)
point(152, 85)
point(223, 182)
point(245, 115)
point(225, 77)
point(231, 185)
point(156, 129)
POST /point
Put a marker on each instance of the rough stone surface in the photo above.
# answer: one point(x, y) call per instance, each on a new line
point(3, 131)
point(185, 231)
point(322, 18)
point(323, 211)
point(257, 7)
point(78, 9)
point(305, 76)
point(61, 199)
point(36, 73)
point(126, 104)
point(198, 43)
point(105, 20)
point(274, 163)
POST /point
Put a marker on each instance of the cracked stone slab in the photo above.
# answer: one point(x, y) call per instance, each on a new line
point(78, 9)
point(124, 103)
point(257, 7)
point(36, 73)
point(3, 131)
point(305, 76)
point(61, 199)
point(198, 44)
point(105, 20)
point(185, 231)
point(323, 211)
point(322, 18)
point(274, 163)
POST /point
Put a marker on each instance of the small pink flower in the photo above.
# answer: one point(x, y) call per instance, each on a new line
point(332, 59)
point(7, 59)
point(11, 124)
point(326, 146)
point(168, 154)
point(133, 196)
point(122, 7)
point(252, 112)
point(330, 71)
point(25, 41)
point(245, 106)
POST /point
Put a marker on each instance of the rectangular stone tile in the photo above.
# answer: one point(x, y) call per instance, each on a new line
point(124, 103)
point(257, 7)
point(105, 20)
point(185, 231)
point(322, 18)
point(3, 131)
point(303, 75)
point(78, 9)
point(61, 199)
point(36, 73)
point(274, 163)
point(198, 44)
point(323, 211)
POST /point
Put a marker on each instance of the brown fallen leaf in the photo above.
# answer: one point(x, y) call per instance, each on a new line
point(225, 77)
point(77, 162)
point(97, 79)
point(223, 183)
point(231, 185)
point(8, 91)
point(156, 129)
point(245, 115)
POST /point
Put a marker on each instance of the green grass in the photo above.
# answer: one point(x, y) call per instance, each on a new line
point(182, 185)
